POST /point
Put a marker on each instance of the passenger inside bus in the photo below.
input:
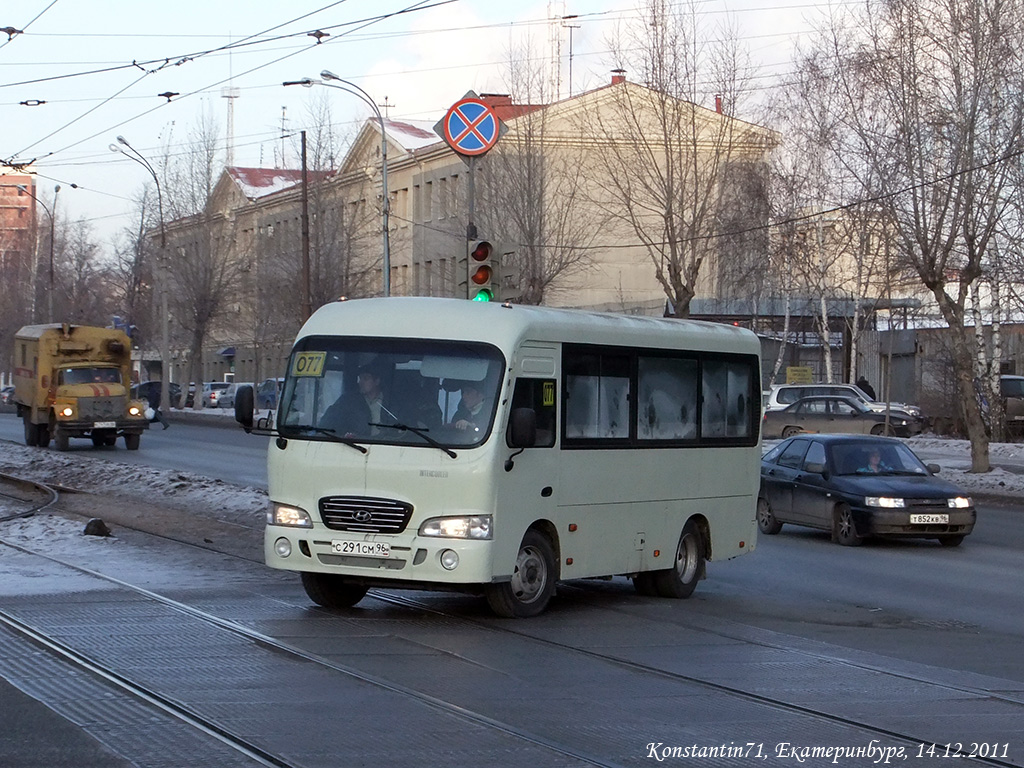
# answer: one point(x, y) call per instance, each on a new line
point(354, 412)
point(472, 412)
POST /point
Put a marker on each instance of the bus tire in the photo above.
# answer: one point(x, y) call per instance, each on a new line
point(61, 441)
point(131, 442)
point(681, 579)
point(42, 435)
point(767, 523)
point(533, 580)
point(330, 591)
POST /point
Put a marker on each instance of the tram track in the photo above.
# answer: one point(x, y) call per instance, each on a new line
point(450, 708)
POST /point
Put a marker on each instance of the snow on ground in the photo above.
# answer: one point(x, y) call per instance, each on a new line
point(185, 490)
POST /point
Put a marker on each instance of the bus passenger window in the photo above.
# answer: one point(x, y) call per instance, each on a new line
point(538, 395)
point(726, 409)
point(668, 399)
point(597, 391)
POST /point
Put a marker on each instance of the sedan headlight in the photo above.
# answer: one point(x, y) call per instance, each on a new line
point(960, 502)
point(467, 527)
point(886, 502)
point(282, 514)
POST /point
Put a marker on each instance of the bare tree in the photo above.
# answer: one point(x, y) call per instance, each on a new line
point(934, 98)
point(204, 266)
point(531, 188)
point(669, 161)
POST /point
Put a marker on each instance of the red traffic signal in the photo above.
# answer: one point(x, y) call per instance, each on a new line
point(480, 271)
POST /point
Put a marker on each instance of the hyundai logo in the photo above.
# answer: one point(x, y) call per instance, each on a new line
point(362, 516)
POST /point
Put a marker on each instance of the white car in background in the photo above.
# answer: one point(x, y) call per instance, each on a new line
point(212, 391)
point(783, 395)
point(227, 396)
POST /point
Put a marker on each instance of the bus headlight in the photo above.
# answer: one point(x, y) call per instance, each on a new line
point(67, 411)
point(886, 502)
point(135, 411)
point(282, 514)
point(465, 527)
point(960, 502)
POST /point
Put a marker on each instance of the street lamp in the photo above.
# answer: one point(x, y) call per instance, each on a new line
point(165, 352)
point(355, 90)
point(52, 215)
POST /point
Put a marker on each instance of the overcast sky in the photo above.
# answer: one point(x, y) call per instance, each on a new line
point(100, 65)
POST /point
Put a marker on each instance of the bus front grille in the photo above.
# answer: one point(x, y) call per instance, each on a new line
point(361, 514)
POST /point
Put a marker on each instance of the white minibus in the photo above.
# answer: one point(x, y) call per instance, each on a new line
point(497, 449)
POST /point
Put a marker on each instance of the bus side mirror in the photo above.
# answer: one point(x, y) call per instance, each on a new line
point(243, 407)
point(523, 428)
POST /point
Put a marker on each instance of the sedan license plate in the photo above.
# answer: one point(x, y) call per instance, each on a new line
point(361, 548)
point(104, 424)
point(929, 519)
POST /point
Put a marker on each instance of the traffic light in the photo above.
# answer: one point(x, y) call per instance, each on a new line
point(481, 271)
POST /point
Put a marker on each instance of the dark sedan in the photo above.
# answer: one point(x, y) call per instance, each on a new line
point(830, 413)
point(856, 487)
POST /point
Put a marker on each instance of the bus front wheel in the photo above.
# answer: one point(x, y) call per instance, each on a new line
point(533, 580)
point(681, 579)
point(332, 591)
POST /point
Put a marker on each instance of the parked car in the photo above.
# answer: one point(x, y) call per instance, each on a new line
point(227, 396)
point(268, 393)
point(142, 391)
point(212, 391)
point(836, 414)
point(7, 395)
point(782, 395)
point(855, 487)
point(1012, 390)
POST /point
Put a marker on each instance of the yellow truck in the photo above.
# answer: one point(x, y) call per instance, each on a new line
point(73, 381)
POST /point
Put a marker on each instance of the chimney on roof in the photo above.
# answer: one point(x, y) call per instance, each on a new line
point(497, 99)
point(618, 76)
point(718, 103)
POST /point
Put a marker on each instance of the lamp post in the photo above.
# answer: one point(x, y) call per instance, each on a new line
point(165, 324)
point(345, 85)
point(53, 217)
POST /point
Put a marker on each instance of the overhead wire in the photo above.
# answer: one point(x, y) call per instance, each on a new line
point(26, 26)
point(420, 4)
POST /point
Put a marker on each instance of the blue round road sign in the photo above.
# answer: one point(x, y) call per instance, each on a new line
point(471, 127)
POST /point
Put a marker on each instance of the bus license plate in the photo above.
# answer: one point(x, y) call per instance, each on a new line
point(104, 425)
point(929, 519)
point(362, 548)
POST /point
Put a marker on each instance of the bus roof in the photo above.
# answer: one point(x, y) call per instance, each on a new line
point(506, 325)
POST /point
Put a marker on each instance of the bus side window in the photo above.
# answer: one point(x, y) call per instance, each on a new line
point(538, 395)
point(667, 408)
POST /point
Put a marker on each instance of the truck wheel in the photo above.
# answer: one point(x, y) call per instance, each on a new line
point(42, 435)
point(31, 434)
point(131, 442)
point(60, 439)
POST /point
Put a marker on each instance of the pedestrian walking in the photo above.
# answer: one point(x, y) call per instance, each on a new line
point(866, 388)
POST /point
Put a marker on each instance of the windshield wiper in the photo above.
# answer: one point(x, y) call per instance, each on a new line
point(327, 433)
point(420, 432)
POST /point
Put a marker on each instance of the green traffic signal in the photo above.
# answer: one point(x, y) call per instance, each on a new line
point(484, 294)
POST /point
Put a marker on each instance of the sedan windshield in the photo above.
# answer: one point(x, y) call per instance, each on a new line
point(399, 391)
point(882, 458)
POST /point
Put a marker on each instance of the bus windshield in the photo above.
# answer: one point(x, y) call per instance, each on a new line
point(396, 391)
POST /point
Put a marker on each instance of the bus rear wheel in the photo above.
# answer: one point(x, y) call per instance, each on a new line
point(681, 579)
point(533, 580)
point(332, 591)
point(131, 442)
